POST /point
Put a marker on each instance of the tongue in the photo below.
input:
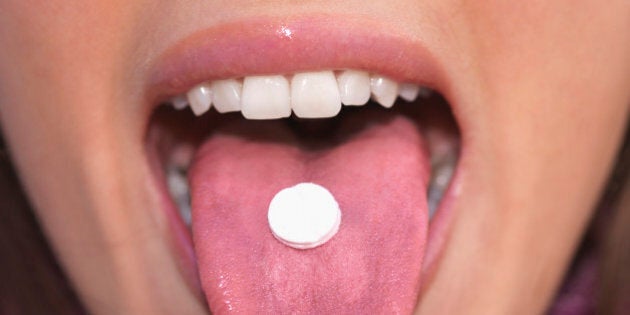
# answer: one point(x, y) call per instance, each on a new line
point(378, 174)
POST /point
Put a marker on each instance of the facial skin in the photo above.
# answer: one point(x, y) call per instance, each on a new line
point(543, 92)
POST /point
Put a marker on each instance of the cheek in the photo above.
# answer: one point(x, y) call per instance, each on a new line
point(547, 113)
point(553, 94)
point(60, 73)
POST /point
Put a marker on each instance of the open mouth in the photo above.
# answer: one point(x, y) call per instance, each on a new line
point(370, 122)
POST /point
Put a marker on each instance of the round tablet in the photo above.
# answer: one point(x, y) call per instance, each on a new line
point(304, 216)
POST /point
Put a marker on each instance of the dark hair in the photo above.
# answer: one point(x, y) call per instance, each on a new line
point(598, 281)
point(614, 295)
point(31, 281)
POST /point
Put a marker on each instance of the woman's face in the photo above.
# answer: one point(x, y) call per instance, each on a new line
point(539, 95)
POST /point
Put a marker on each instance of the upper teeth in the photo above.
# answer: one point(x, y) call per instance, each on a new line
point(309, 94)
point(265, 97)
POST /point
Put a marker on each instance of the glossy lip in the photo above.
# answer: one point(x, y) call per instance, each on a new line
point(280, 46)
point(288, 45)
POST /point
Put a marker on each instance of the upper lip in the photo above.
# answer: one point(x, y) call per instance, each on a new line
point(284, 46)
point(289, 45)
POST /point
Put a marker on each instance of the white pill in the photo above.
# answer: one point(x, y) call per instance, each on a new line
point(304, 216)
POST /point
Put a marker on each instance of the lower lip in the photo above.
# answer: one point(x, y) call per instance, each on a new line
point(288, 46)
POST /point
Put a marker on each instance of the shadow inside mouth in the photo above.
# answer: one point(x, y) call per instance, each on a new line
point(173, 131)
point(174, 138)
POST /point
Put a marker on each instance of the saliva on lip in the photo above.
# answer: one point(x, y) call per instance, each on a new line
point(304, 216)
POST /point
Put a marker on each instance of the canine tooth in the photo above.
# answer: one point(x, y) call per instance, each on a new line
point(384, 90)
point(227, 95)
point(354, 87)
point(182, 155)
point(266, 97)
point(315, 95)
point(179, 102)
point(409, 92)
point(425, 92)
point(200, 98)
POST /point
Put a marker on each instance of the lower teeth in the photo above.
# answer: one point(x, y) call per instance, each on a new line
point(441, 174)
point(178, 188)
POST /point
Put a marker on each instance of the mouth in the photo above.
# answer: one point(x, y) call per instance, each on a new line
point(239, 112)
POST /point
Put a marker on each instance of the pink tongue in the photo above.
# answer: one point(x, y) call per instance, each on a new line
point(371, 266)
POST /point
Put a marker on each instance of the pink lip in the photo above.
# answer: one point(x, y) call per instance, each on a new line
point(288, 45)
